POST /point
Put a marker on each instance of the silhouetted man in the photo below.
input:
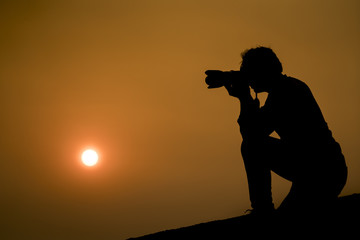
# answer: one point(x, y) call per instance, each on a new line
point(306, 153)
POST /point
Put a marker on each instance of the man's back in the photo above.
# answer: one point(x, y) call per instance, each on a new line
point(292, 111)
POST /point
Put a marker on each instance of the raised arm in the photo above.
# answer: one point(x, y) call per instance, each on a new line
point(254, 121)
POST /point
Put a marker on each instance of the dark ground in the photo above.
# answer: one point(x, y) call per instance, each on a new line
point(342, 220)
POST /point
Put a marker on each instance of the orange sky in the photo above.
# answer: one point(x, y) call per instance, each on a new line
point(127, 77)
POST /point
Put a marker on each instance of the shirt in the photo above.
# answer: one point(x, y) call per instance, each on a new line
point(292, 111)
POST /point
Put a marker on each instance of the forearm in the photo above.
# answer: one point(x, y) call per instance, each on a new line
point(253, 121)
point(247, 104)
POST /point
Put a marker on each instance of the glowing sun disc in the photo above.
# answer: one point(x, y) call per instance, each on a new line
point(89, 157)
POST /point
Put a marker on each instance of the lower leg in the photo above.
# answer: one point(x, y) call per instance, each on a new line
point(259, 178)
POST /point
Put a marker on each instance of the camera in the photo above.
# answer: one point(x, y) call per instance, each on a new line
point(217, 78)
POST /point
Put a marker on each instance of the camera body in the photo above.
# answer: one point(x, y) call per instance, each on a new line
point(217, 78)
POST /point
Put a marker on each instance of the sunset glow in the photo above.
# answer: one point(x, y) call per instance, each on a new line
point(89, 157)
point(108, 130)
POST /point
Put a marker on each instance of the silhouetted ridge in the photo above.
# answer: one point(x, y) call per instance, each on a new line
point(341, 220)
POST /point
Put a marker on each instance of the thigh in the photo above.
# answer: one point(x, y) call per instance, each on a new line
point(281, 158)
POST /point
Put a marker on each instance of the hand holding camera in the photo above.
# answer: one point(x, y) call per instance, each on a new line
point(234, 81)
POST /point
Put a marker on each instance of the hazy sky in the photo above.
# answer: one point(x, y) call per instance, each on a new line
point(127, 78)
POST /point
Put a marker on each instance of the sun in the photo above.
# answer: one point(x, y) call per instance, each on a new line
point(89, 157)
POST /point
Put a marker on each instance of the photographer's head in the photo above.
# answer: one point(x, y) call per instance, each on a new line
point(261, 67)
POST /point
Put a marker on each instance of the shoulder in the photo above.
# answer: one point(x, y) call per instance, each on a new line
point(292, 80)
point(294, 84)
point(291, 89)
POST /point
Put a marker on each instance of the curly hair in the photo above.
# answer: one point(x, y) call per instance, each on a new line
point(261, 59)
